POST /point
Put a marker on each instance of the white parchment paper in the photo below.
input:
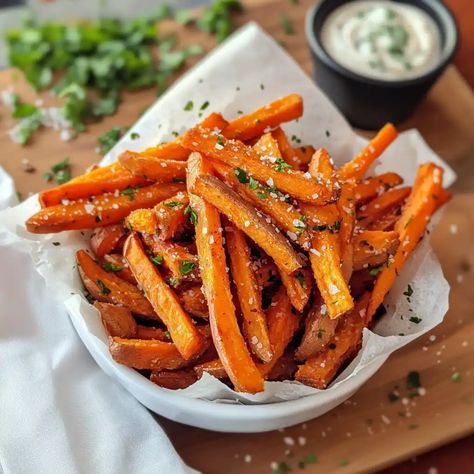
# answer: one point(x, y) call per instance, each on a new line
point(246, 72)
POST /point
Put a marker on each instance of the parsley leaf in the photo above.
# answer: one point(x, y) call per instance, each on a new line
point(108, 139)
point(186, 267)
point(103, 289)
point(112, 267)
point(287, 24)
point(241, 175)
point(281, 165)
point(413, 380)
point(157, 259)
point(193, 217)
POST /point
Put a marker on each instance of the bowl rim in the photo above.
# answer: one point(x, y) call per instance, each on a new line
point(444, 13)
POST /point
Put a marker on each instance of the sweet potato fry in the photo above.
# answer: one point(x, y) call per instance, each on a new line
point(254, 124)
point(321, 167)
point(171, 215)
point(318, 371)
point(420, 206)
point(117, 264)
point(326, 264)
point(380, 206)
point(173, 379)
point(286, 150)
point(147, 332)
point(109, 288)
point(117, 320)
point(213, 367)
point(229, 343)
point(358, 166)
point(284, 368)
point(298, 287)
point(346, 206)
point(106, 179)
point(267, 145)
point(304, 154)
point(105, 239)
point(252, 223)
point(266, 274)
point(154, 169)
point(284, 214)
point(100, 211)
point(149, 354)
point(182, 264)
point(319, 330)
point(174, 150)
point(274, 173)
point(249, 295)
point(376, 185)
point(193, 301)
point(373, 248)
point(142, 220)
point(164, 301)
point(386, 222)
point(282, 326)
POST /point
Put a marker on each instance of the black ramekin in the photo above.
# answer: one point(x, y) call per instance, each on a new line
point(370, 103)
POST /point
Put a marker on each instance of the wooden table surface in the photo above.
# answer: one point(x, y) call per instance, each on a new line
point(368, 432)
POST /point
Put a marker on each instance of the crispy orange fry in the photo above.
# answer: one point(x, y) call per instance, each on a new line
point(193, 301)
point(381, 206)
point(181, 263)
point(174, 150)
point(284, 368)
point(98, 212)
point(266, 274)
point(284, 214)
point(326, 264)
point(171, 216)
point(229, 343)
point(321, 167)
point(142, 220)
point(298, 287)
point(98, 181)
point(146, 332)
point(267, 146)
point(254, 321)
point(420, 206)
point(213, 367)
point(319, 330)
point(287, 152)
point(318, 371)
point(376, 185)
point(109, 288)
point(164, 301)
point(115, 263)
point(274, 173)
point(358, 166)
point(154, 169)
point(282, 326)
point(346, 206)
point(254, 124)
point(173, 379)
point(149, 354)
point(373, 248)
point(304, 154)
point(244, 216)
point(105, 239)
point(117, 320)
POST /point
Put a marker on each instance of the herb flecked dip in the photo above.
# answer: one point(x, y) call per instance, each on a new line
point(382, 39)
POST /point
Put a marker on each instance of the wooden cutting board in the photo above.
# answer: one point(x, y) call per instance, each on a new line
point(367, 432)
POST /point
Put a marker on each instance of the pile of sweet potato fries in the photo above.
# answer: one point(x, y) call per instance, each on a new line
point(229, 251)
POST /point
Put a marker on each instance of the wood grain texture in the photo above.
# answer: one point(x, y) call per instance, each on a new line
point(367, 430)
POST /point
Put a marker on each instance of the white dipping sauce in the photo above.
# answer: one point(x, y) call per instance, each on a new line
point(382, 39)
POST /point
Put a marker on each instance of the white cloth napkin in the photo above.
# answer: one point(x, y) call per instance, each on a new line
point(59, 412)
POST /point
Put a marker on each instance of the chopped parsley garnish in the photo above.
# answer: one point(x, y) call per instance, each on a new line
point(331, 228)
point(60, 171)
point(112, 267)
point(320, 333)
point(108, 139)
point(189, 106)
point(287, 24)
point(409, 221)
point(184, 17)
point(186, 267)
point(375, 271)
point(308, 459)
point(241, 175)
point(281, 165)
point(130, 192)
point(217, 18)
point(415, 320)
point(56, 243)
point(337, 226)
point(301, 280)
point(328, 133)
point(295, 139)
point(157, 259)
point(134, 136)
point(261, 195)
point(193, 217)
point(408, 292)
point(168, 335)
point(172, 204)
point(220, 140)
point(103, 289)
point(253, 183)
point(456, 377)
point(282, 468)
point(204, 106)
point(173, 281)
point(179, 180)
point(413, 380)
